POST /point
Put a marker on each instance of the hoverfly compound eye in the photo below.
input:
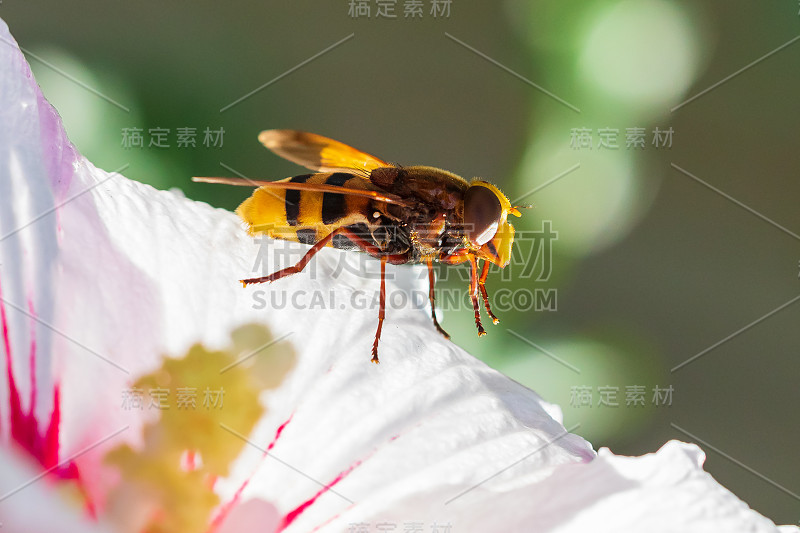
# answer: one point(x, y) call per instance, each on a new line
point(482, 212)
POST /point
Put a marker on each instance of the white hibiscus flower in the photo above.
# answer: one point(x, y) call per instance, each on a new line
point(240, 429)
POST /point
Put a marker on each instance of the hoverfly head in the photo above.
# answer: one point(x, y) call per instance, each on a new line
point(482, 213)
point(486, 211)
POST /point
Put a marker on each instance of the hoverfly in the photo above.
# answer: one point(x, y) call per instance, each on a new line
point(398, 214)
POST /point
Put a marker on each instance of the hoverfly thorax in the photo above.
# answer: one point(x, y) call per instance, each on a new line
point(486, 211)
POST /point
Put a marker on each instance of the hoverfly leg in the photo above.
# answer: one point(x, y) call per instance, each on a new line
point(297, 267)
point(482, 287)
point(432, 280)
point(381, 311)
point(473, 292)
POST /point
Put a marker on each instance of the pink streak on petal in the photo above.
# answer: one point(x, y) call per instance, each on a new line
point(7, 346)
point(226, 509)
point(278, 434)
point(334, 517)
point(32, 360)
point(24, 426)
point(292, 515)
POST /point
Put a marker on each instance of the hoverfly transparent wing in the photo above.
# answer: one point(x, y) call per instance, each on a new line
point(287, 185)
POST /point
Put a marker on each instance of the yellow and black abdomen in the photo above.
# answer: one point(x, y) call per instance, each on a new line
point(308, 216)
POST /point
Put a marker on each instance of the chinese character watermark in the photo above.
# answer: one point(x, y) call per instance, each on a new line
point(531, 258)
point(159, 398)
point(161, 138)
point(608, 138)
point(388, 9)
point(608, 396)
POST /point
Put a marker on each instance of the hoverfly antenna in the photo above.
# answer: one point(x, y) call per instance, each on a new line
point(515, 210)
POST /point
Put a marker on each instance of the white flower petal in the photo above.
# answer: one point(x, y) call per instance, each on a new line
point(120, 273)
point(663, 492)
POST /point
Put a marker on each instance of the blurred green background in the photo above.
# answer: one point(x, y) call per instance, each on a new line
point(650, 267)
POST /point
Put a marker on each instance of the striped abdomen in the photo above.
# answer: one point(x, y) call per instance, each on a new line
point(308, 216)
